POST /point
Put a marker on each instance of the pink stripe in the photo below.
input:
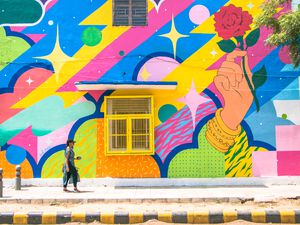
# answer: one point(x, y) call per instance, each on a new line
point(51, 4)
point(127, 42)
point(36, 37)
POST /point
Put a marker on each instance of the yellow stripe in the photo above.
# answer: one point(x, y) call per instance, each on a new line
point(229, 216)
point(84, 55)
point(49, 218)
point(198, 217)
point(20, 218)
point(136, 218)
point(258, 216)
point(165, 217)
point(287, 216)
point(78, 217)
point(108, 218)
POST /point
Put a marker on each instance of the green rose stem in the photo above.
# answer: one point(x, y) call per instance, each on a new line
point(241, 41)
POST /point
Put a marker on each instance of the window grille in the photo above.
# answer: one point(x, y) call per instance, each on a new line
point(129, 125)
point(130, 12)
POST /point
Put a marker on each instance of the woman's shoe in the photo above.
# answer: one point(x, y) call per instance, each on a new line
point(66, 190)
point(76, 190)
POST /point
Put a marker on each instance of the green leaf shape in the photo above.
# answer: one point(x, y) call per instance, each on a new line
point(253, 37)
point(259, 77)
point(227, 45)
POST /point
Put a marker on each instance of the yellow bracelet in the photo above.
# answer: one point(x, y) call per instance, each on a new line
point(224, 127)
point(216, 144)
point(218, 129)
point(219, 135)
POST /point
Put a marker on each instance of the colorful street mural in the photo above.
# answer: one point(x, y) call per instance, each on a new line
point(234, 113)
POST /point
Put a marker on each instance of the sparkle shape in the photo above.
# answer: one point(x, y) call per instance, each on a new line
point(157, 3)
point(250, 5)
point(145, 74)
point(213, 53)
point(174, 36)
point(29, 81)
point(57, 57)
point(192, 99)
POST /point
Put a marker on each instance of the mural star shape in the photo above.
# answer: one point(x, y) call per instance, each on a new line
point(57, 57)
point(174, 36)
point(193, 99)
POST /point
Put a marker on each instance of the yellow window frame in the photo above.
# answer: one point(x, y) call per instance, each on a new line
point(129, 117)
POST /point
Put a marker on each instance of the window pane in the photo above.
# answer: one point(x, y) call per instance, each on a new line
point(140, 134)
point(118, 143)
point(140, 142)
point(140, 126)
point(117, 127)
point(117, 135)
point(128, 106)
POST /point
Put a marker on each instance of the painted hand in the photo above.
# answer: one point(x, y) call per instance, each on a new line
point(232, 84)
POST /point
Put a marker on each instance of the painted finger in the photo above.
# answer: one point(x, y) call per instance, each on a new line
point(222, 84)
point(229, 73)
point(237, 69)
point(236, 53)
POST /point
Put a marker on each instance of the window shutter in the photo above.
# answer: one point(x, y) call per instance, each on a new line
point(139, 12)
point(130, 13)
point(128, 106)
point(121, 13)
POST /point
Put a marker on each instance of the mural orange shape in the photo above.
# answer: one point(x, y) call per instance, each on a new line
point(123, 166)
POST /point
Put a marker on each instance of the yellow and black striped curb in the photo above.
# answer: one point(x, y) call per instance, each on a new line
point(206, 217)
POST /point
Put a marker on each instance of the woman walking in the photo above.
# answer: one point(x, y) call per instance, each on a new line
point(69, 166)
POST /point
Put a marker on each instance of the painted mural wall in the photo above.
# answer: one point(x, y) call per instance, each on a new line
point(235, 112)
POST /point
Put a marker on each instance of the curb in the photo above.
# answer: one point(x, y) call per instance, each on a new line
point(199, 217)
point(122, 200)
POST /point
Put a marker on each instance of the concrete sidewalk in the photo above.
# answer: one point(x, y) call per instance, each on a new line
point(151, 194)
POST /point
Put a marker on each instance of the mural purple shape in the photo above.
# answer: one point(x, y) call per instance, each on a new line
point(178, 129)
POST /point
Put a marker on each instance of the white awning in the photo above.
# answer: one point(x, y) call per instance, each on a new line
point(125, 85)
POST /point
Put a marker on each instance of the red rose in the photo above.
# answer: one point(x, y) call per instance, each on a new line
point(231, 21)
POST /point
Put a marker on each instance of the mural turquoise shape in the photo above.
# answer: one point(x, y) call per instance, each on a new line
point(20, 11)
point(166, 111)
point(44, 117)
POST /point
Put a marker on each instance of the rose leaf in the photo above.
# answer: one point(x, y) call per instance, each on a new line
point(253, 37)
point(227, 45)
point(259, 77)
